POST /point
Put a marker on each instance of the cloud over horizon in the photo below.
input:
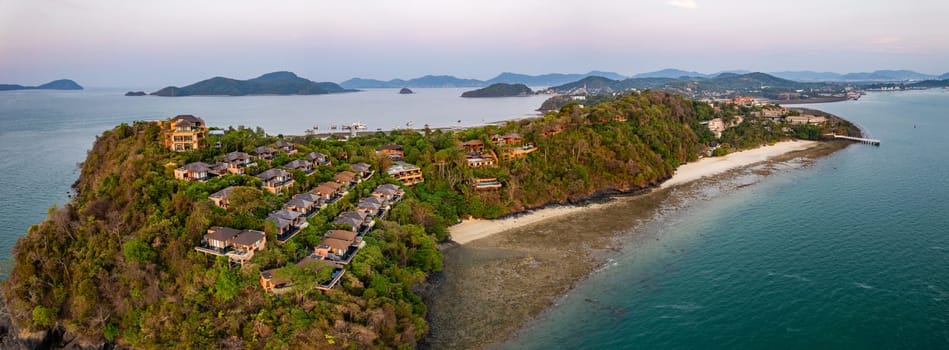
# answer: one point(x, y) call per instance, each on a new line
point(174, 42)
point(685, 4)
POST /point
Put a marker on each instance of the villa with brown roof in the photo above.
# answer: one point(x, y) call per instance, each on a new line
point(184, 133)
point(265, 153)
point(389, 192)
point(370, 205)
point(346, 178)
point(238, 245)
point(302, 165)
point(362, 169)
point(406, 173)
point(355, 220)
point(304, 203)
point(335, 244)
point(481, 159)
point(512, 139)
point(329, 191)
point(238, 162)
point(317, 158)
point(392, 151)
point(197, 171)
point(275, 180)
point(220, 198)
point(473, 145)
point(286, 147)
point(517, 152)
point(288, 223)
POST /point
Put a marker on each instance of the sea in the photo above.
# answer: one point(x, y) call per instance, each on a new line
point(45, 134)
point(848, 252)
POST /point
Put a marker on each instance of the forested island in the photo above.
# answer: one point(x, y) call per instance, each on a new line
point(500, 90)
point(276, 83)
point(62, 84)
point(118, 264)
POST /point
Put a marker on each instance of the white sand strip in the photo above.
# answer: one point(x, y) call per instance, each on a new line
point(470, 230)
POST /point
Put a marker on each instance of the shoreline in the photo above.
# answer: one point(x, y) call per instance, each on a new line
point(474, 229)
point(492, 288)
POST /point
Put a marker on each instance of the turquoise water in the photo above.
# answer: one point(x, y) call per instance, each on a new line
point(851, 252)
point(44, 134)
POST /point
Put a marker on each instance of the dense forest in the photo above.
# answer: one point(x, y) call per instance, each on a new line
point(117, 263)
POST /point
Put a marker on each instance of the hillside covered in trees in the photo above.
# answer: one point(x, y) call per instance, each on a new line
point(118, 263)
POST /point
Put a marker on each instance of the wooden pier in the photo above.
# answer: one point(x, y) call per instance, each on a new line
point(874, 142)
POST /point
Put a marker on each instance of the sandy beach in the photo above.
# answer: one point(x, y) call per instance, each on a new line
point(471, 230)
point(508, 271)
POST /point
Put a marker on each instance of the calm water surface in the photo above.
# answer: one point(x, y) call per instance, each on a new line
point(44, 134)
point(849, 253)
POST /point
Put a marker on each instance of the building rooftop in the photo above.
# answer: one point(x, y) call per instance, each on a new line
point(200, 167)
point(226, 192)
point(248, 237)
point(398, 167)
point(220, 233)
point(272, 173)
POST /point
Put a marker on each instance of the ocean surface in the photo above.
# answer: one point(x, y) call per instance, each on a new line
point(45, 134)
point(849, 252)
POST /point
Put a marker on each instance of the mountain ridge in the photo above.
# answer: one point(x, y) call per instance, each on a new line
point(273, 83)
point(443, 81)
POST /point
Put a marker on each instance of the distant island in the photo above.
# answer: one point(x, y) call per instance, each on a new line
point(500, 90)
point(135, 93)
point(448, 81)
point(276, 83)
point(555, 79)
point(406, 91)
point(62, 84)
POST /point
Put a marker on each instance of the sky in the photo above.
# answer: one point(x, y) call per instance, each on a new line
point(151, 44)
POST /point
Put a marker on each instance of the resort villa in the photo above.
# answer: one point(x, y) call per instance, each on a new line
point(197, 171)
point(238, 245)
point(362, 169)
point(184, 133)
point(302, 165)
point(473, 146)
point(389, 192)
point(220, 198)
point(336, 244)
point(805, 119)
point(238, 162)
point(265, 153)
point(392, 151)
point(518, 152)
point(287, 223)
point(513, 139)
point(317, 158)
point(275, 180)
point(329, 191)
point(477, 159)
point(285, 147)
point(406, 173)
point(345, 178)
